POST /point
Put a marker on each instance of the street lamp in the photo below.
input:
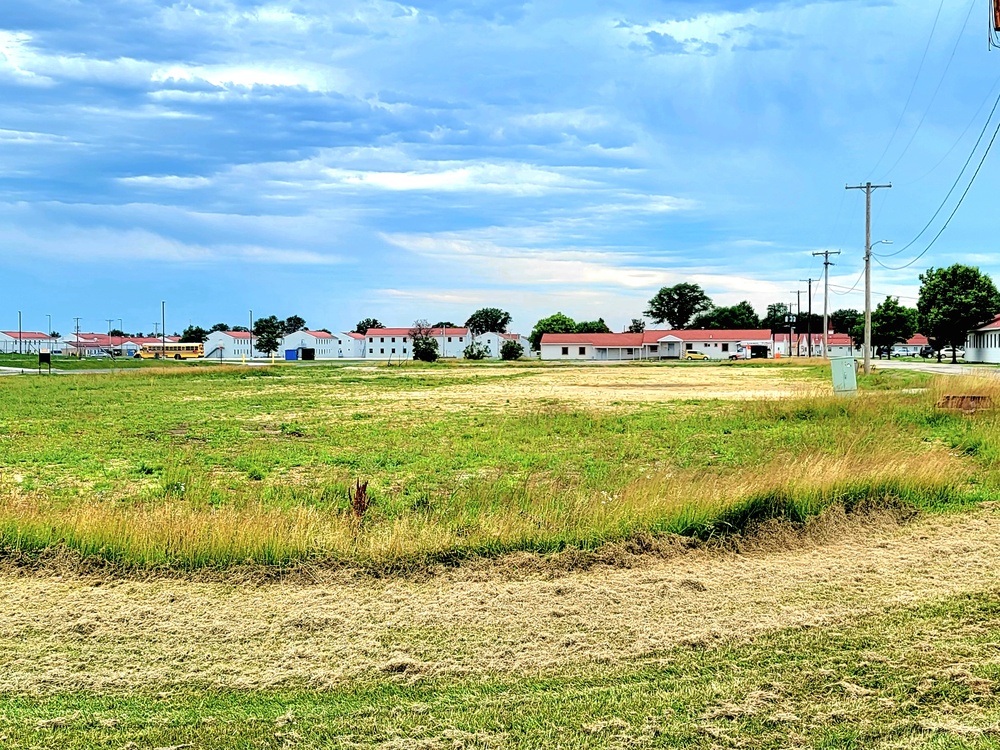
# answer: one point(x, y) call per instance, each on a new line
point(868, 303)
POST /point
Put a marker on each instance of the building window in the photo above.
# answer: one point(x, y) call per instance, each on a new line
point(381, 351)
point(449, 339)
point(628, 351)
point(707, 345)
point(583, 350)
point(565, 350)
point(381, 339)
point(394, 350)
point(394, 341)
point(461, 339)
point(371, 340)
point(404, 350)
point(725, 347)
point(653, 348)
point(689, 347)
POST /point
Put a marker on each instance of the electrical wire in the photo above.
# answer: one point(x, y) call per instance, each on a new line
point(937, 88)
point(954, 185)
point(955, 211)
point(835, 286)
point(957, 140)
point(913, 87)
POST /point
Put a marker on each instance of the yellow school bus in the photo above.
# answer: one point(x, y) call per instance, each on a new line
point(170, 350)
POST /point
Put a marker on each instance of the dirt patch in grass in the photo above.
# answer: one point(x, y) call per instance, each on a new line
point(64, 632)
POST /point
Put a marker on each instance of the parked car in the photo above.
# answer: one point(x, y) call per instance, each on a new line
point(927, 351)
point(947, 352)
point(695, 355)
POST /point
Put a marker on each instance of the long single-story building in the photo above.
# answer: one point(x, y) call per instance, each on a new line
point(983, 344)
point(25, 342)
point(661, 344)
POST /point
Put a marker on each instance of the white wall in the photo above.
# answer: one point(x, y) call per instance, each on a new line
point(232, 348)
point(983, 346)
point(555, 351)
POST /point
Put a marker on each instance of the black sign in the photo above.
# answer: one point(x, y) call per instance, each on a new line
point(44, 358)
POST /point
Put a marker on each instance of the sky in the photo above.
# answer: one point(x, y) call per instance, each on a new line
point(348, 159)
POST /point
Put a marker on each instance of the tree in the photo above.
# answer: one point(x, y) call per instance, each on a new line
point(843, 321)
point(739, 316)
point(269, 333)
point(54, 334)
point(557, 323)
point(219, 327)
point(638, 325)
point(239, 329)
point(488, 319)
point(776, 318)
point(476, 350)
point(117, 332)
point(891, 323)
point(194, 335)
point(364, 325)
point(677, 304)
point(444, 324)
point(293, 324)
point(954, 301)
point(592, 326)
point(425, 346)
point(511, 350)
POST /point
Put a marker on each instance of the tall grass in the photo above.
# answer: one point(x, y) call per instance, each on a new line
point(724, 468)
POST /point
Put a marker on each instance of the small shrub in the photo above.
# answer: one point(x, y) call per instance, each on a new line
point(476, 350)
point(511, 350)
point(360, 501)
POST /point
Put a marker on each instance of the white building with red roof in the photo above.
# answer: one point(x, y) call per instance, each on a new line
point(354, 344)
point(494, 342)
point(231, 345)
point(397, 343)
point(657, 344)
point(102, 345)
point(25, 342)
point(324, 345)
point(983, 344)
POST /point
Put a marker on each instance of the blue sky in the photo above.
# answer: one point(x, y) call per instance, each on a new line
point(339, 160)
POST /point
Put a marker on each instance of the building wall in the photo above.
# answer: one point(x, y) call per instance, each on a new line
point(326, 348)
point(390, 347)
point(573, 351)
point(983, 346)
point(232, 348)
point(9, 345)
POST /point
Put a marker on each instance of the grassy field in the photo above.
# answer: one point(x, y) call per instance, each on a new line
point(226, 465)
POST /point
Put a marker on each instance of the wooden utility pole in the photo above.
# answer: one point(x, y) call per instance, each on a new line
point(826, 294)
point(868, 187)
point(809, 319)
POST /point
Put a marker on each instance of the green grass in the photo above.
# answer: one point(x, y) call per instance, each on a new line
point(227, 465)
point(921, 677)
point(62, 363)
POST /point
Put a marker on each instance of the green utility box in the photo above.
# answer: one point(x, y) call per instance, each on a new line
point(845, 375)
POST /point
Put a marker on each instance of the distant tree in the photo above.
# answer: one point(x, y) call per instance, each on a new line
point(118, 332)
point(843, 321)
point(488, 319)
point(476, 350)
point(677, 304)
point(326, 330)
point(739, 316)
point(557, 323)
point(425, 346)
point(444, 324)
point(891, 323)
point(638, 325)
point(194, 335)
point(219, 327)
point(139, 334)
point(293, 324)
point(239, 329)
point(511, 350)
point(54, 334)
point(954, 301)
point(592, 326)
point(363, 325)
point(269, 333)
point(776, 318)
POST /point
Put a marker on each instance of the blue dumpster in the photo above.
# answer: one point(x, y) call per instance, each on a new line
point(291, 355)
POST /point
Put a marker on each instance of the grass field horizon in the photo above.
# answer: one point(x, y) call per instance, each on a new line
point(219, 467)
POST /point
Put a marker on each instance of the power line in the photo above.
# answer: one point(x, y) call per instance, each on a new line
point(937, 88)
point(955, 211)
point(944, 200)
point(913, 87)
point(851, 289)
point(876, 292)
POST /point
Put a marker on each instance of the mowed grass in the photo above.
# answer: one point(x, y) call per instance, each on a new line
point(225, 466)
point(920, 677)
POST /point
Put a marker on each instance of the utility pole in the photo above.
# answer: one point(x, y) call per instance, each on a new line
point(798, 312)
point(76, 323)
point(163, 328)
point(809, 318)
point(868, 187)
point(250, 355)
point(826, 295)
point(20, 336)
